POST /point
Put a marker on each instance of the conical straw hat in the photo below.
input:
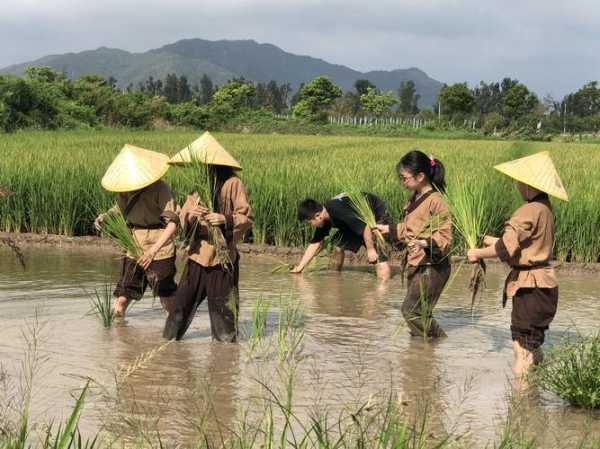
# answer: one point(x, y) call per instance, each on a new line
point(537, 171)
point(207, 150)
point(134, 168)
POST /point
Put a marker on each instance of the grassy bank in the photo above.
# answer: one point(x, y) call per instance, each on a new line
point(54, 178)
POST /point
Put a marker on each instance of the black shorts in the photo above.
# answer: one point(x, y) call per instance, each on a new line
point(160, 276)
point(533, 309)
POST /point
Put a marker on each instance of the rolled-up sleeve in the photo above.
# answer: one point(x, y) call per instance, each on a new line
point(517, 230)
point(441, 229)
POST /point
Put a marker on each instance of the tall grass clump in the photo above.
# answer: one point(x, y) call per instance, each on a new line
point(115, 228)
point(572, 371)
point(101, 305)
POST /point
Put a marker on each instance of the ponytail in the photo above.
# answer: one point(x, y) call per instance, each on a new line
point(415, 161)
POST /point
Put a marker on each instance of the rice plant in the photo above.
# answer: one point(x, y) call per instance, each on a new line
point(572, 371)
point(101, 302)
point(260, 315)
point(290, 333)
point(54, 176)
point(115, 228)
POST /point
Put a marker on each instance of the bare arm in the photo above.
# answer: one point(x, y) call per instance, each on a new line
point(311, 251)
point(489, 252)
point(368, 239)
point(165, 236)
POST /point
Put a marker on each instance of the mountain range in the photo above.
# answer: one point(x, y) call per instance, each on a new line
point(224, 60)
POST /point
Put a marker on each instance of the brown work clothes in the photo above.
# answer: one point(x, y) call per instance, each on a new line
point(425, 286)
point(216, 284)
point(526, 246)
point(425, 218)
point(234, 205)
point(148, 211)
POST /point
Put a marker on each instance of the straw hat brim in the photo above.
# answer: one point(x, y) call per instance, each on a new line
point(206, 150)
point(133, 169)
point(537, 171)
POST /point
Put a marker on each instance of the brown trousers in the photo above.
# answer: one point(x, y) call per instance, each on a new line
point(220, 287)
point(533, 309)
point(425, 286)
point(160, 277)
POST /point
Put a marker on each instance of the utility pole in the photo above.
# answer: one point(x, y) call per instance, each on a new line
point(439, 110)
point(565, 116)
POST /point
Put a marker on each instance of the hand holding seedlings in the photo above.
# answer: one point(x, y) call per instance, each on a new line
point(199, 212)
point(215, 219)
point(415, 245)
point(372, 256)
point(383, 228)
point(147, 258)
point(98, 222)
point(472, 256)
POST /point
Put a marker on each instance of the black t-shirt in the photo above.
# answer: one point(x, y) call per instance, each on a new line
point(341, 216)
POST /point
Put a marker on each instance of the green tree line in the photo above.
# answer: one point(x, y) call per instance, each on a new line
point(47, 99)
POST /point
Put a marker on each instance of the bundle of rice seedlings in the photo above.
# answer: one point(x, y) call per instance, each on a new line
point(362, 208)
point(472, 220)
point(115, 228)
point(206, 187)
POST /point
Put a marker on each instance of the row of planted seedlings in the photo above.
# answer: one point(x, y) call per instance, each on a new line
point(54, 179)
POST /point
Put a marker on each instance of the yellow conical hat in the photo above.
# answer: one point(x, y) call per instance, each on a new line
point(134, 168)
point(537, 171)
point(207, 150)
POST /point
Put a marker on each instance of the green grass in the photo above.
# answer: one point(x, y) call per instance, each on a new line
point(572, 371)
point(101, 305)
point(55, 176)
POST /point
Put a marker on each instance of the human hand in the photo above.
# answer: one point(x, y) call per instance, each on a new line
point(383, 228)
point(215, 219)
point(146, 259)
point(98, 222)
point(473, 256)
point(199, 212)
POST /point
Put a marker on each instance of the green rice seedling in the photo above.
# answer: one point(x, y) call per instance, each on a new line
point(290, 334)
point(101, 302)
point(67, 436)
point(115, 228)
point(572, 371)
point(260, 315)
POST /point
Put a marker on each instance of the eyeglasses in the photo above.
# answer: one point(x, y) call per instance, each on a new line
point(405, 178)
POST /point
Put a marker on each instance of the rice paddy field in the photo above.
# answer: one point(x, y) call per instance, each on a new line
point(54, 178)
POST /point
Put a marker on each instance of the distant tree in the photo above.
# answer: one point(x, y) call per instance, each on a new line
point(518, 102)
point(316, 97)
point(112, 82)
point(285, 90)
point(586, 101)
point(409, 98)
point(347, 105)
point(171, 88)
point(487, 98)
point(296, 96)
point(456, 99)
point(233, 96)
point(377, 103)
point(184, 92)
point(206, 89)
point(362, 86)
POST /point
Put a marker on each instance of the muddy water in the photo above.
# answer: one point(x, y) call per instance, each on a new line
point(349, 351)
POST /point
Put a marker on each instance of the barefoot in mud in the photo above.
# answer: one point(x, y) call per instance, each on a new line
point(120, 306)
point(167, 303)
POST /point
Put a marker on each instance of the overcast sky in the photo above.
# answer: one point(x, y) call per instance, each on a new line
point(553, 46)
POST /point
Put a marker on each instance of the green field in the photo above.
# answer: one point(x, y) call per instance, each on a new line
point(55, 178)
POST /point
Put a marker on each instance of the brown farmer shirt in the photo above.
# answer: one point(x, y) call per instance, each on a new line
point(234, 205)
point(526, 246)
point(153, 208)
point(426, 218)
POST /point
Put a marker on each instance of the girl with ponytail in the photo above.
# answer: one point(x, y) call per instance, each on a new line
point(426, 234)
